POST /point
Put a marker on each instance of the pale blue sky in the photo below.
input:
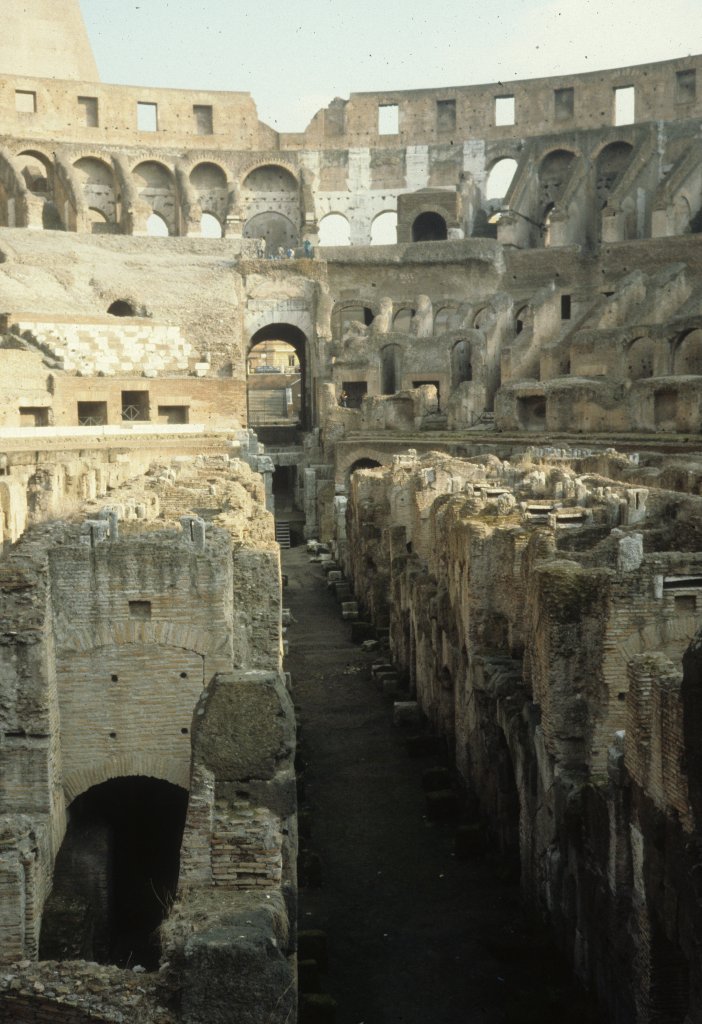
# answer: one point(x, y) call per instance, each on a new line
point(294, 57)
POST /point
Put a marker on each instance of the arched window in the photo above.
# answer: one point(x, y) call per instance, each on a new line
point(384, 228)
point(334, 229)
point(156, 226)
point(37, 171)
point(611, 163)
point(429, 227)
point(687, 357)
point(210, 226)
point(156, 187)
point(499, 179)
point(402, 319)
point(97, 183)
point(278, 231)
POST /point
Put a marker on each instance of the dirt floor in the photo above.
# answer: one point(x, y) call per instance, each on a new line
point(415, 935)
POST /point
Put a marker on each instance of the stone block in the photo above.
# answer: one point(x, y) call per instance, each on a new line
point(406, 713)
point(361, 631)
point(235, 968)
point(244, 726)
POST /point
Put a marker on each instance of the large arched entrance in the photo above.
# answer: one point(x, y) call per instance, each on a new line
point(116, 873)
point(288, 344)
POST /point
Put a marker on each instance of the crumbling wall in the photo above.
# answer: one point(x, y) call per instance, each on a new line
point(540, 636)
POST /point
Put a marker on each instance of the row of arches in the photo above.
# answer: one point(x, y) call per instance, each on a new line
point(448, 317)
point(335, 229)
point(681, 357)
point(161, 200)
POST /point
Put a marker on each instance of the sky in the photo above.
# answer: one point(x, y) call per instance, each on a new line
point(295, 57)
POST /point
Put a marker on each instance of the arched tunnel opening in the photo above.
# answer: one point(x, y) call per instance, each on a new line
point(116, 873)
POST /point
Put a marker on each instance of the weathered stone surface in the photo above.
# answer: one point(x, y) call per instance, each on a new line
point(244, 726)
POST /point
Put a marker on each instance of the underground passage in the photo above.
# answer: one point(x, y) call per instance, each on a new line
point(116, 873)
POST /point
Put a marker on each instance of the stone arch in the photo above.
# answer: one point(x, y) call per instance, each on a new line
point(13, 192)
point(355, 457)
point(210, 225)
point(294, 336)
point(346, 312)
point(687, 353)
point(364, 462)
point(167, 632)
point(37, 169)
point(157, 226)
point(520, 319)
point(270, 204)
point(121, 307)
point(384, 228)
point(554, 171)
point(402, 318)
point(501, 173)
point(334, 229)
point(446, 319)
point(639, 358)
point(270, 177)
point(611, 162)
point(461, 366)
point(97, 183)
point(154, 766)
point(155, 187)
point(429, 226)
point(208, 181)
point(278, 231)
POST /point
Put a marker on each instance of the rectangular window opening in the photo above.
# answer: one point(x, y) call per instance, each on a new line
point(33, 416)
point(388, 119)
point(685, 604)
point(147, 117)
point(565, 307)
point(504, 110)
point(564, 104)
point(92, 414)
point(88, 106)
point(445, 115)
point(173, 414)
point(25, 102)
point(624, 105)
point(204, 123)
point(686, 86)
point(140, 610)
point(135, 406)
point(355, 391)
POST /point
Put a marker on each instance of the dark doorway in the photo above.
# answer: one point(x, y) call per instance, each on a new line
point(116, 873)
point(429, 227)
point(356, 391)
point(121, 308)
point(284, 381)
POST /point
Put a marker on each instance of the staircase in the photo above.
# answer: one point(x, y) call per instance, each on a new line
point(282, 534)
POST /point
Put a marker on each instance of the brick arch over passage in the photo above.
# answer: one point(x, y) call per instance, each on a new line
point(153, 766)
point(365, 456)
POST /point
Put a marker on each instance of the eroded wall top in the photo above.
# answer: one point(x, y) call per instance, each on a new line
point(46, 38)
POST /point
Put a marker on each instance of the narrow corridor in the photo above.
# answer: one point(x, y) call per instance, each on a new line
point(415, 935)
